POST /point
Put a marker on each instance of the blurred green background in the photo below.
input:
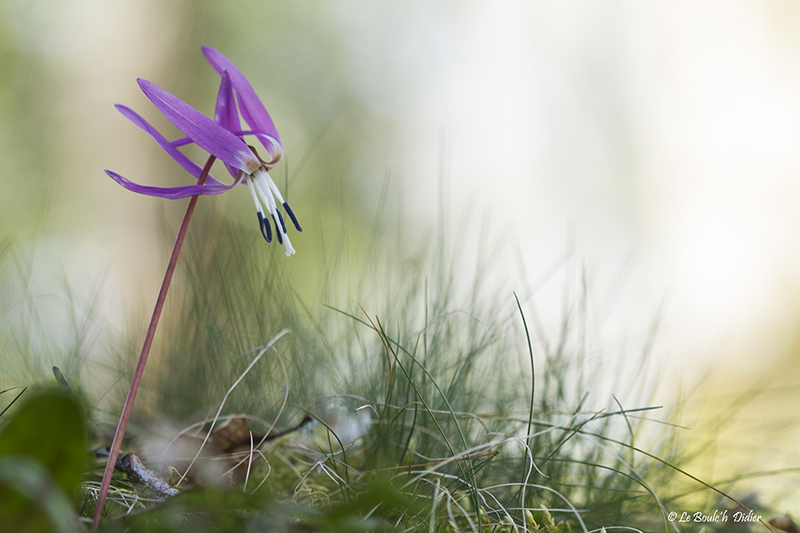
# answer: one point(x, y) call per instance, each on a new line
point(662, 136)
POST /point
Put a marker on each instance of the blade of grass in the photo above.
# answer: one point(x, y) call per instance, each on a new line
point(12, 401)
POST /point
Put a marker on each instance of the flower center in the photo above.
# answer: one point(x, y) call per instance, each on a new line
point(266, 164)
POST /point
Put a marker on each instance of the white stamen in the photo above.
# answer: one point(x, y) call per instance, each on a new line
point(288, 245)
point(268, 191)
point(249, 181)
point(263, 190)
point(275, 191)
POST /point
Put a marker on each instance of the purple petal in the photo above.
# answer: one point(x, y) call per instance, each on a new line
point(170, 147)
point(183, 141)
point(209, 135)
point(253, 111)
point(171, 193)
point(225, 113)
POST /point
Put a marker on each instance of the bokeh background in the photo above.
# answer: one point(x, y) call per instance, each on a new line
point(658, 141)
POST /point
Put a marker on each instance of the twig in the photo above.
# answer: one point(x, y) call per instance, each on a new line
point(130, 464)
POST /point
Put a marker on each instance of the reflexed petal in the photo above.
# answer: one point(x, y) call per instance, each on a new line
point(226, 114)
point(170, 147)
point(183, 141)
point(253, 111)
point(209, 135)
point(275, 148)
point(170, 193)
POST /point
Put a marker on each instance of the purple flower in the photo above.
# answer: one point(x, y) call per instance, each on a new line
point(223, 138)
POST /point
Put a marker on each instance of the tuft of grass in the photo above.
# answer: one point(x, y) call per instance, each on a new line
point(428, 412)
point(433, 408)
point(59, 328)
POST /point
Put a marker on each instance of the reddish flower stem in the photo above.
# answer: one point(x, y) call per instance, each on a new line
point(148, 342)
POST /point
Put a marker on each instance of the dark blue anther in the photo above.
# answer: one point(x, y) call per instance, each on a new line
point(291, 215)
point(263, 223)
point(281, 220)
point(277, 230)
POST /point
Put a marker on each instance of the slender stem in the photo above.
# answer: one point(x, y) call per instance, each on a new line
point(148, 342)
